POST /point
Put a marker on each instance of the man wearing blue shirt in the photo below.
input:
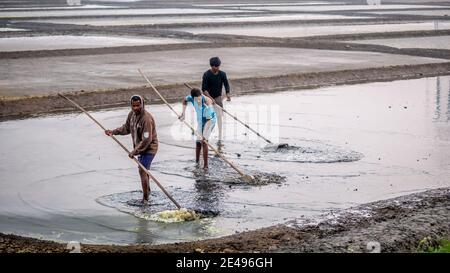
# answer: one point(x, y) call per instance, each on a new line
point(206, 120)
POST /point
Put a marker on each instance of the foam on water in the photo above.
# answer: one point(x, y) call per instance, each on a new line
point(160, 208)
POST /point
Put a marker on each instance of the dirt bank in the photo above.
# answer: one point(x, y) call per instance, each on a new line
point(33, 105)
point(395, 225)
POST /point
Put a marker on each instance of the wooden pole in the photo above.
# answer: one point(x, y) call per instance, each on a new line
point(244, 176)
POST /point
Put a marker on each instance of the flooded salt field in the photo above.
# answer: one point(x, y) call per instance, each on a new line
point(320, 8)
point(108, 12)
point(438, 12)
point(268, 4)
point(63, 179)
point(438, 42)
point(195, 19)
point(305, 31)
point(118, 70)
point(11, 29)
point(71, 41)
point(63, 8)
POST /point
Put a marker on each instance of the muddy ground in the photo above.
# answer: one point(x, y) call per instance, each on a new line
point(396, 224)
point(393, 225)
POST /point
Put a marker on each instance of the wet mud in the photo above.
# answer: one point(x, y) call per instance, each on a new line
point(218, 173)
point(309, 152)
point(393, 225)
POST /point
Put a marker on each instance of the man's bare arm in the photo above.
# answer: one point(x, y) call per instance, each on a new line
point(206, 93)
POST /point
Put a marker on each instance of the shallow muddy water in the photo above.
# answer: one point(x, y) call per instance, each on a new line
point(61, 178)
point(4, 29)
point(306, 31)
point(107, 12)
point(320, 8)
point(196, 19)
point(437, 12)
point(72, 41)
point(438, 42)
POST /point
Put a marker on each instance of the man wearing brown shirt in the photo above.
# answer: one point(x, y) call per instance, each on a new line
point(141, 125)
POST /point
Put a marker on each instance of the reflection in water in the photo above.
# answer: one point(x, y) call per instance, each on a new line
point(143, 235)
point(208, 193)
point(438, 98)
point(442, 111)
point(448, 100)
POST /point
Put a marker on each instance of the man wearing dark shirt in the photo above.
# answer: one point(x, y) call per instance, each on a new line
point(212, 83)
